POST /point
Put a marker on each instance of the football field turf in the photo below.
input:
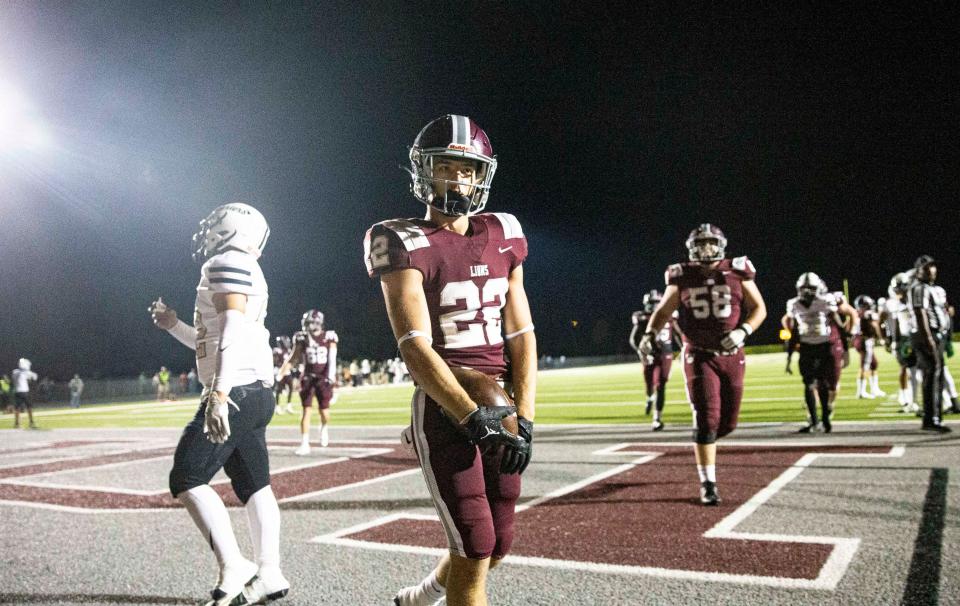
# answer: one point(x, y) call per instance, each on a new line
point(598, 394)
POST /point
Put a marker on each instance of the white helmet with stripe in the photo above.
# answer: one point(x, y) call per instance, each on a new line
point(234, 226)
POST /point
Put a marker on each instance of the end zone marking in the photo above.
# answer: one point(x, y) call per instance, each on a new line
point(831, 572)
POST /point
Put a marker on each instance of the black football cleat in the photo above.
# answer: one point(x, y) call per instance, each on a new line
point(811, 428)
point(708, 494)
point(937, 427)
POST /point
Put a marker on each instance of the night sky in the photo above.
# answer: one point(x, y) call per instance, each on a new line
point(817, 138)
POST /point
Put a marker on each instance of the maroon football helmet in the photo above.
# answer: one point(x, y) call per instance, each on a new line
point(312, 322)
point(706, 243)
point(456, 137)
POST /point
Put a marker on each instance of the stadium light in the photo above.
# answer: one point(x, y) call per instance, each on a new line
point(20, 127)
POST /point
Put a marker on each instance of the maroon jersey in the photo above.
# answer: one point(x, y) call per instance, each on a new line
point(279, 355)
point(710, 299)
point(316, 351)
point(465, 280)
point(867, 326)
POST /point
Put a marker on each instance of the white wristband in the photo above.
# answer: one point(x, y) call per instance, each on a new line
point(229, 350)
point(511, 335)
point(184, 333)
point(747, 328)
point(413, 334)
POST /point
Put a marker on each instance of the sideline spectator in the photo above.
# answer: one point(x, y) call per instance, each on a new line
point(192, 383)
point(5, 389)
point(355, 373)
point(22, 376)
point(365, 371)
point(76, 388)
point(184, 383)
point(163, 384)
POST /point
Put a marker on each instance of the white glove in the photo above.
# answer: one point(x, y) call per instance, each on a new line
point(647, 344)
point(216, 421)
point(734, 339)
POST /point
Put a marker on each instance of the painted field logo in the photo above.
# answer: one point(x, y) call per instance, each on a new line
point(643, 517)
point(102, 476)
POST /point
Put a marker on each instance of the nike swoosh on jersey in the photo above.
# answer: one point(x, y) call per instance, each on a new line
point(503, 250)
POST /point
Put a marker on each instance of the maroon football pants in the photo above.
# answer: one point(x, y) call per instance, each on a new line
point(315, 387)
point(714, 389)
point(474, 501)
point(657, 373)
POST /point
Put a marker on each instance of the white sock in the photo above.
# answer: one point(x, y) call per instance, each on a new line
point(656, 415)
point(305, 439)
point(427, 593)
point(875, 383)
point(707, 473)
point(861, 386)
point(263, 515)
point(210, 515)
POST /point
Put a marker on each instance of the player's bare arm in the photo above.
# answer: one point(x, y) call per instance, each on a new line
point(521, 344)
point(664, 312)
point(165, 318)
point(632, 340)
point(295, 355)
point(754, 302)
point(409, 315)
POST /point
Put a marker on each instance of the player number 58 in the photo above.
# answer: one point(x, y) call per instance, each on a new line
point(710, 300)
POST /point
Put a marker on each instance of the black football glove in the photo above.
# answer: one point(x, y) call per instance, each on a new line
point(525, 427)
point(484, 428)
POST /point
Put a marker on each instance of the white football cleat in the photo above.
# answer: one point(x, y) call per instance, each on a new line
point(324, 436)
point(413, 596)
point(232, 580)
point(879, 393)
point(302, 450)
point(277, 410)
point(268, 586)
point(289, 409)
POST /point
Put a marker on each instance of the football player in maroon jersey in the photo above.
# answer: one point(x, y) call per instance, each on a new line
point(868, 382)
point(316, 349)
point(656, 367)
point(710, 292)
point(453, 286)
point(281, 349)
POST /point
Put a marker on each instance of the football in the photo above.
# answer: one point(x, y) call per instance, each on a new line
point(485, 391)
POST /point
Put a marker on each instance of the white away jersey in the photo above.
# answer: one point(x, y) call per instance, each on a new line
point(233, 272)
point(812, 322)
point(898, 314)
point(21, 380)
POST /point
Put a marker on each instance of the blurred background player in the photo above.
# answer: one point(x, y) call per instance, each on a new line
point(76, 390)
point(811, 317)
point(710, 292)
point(22, 376)
point(229, 429)
point(453, 284)
point(932, 325)
point(316, 349)
point(163, 384)
point(897, 323)
point(281, 350)
point(865, 342)
point(656, 366)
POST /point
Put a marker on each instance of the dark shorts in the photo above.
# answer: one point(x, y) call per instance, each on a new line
point(314, 387)
point(657, 373)
point(21, 401)
point(819, 364)
point(243, 456)
point(474, 501)
point(714, 389)
point(905, 354)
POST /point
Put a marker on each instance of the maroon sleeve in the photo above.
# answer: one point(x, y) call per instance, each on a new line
point(383, 251)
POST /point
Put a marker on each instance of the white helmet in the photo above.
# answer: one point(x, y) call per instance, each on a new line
point(234, 226)
point(23, 364)
point(809, 283)
point(899, 284)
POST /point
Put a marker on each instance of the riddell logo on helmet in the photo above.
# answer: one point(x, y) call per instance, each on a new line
point(238, 209)
point(460, 147)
